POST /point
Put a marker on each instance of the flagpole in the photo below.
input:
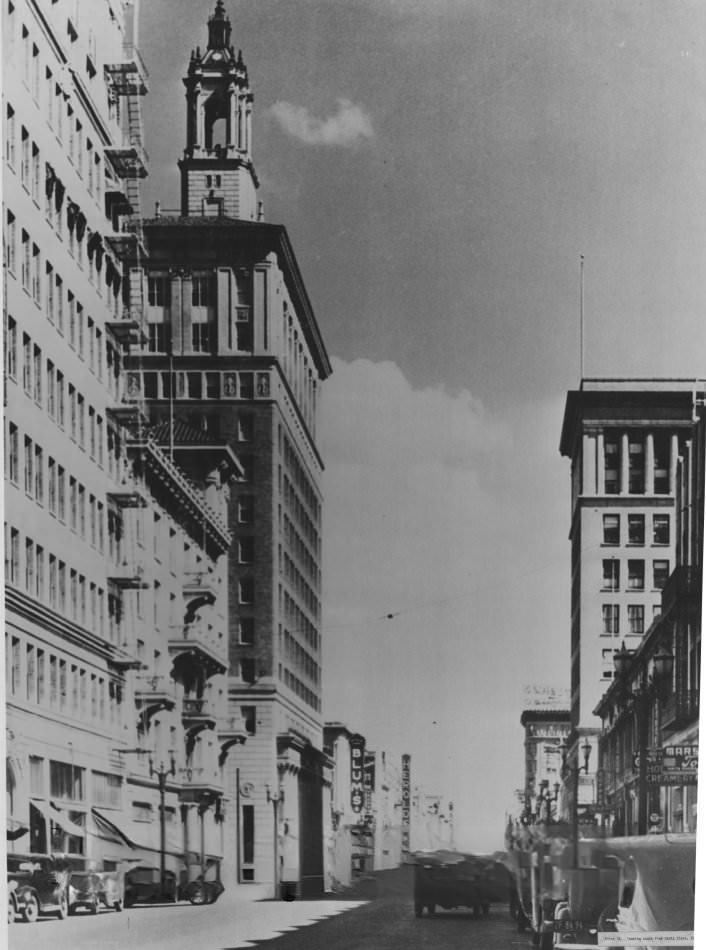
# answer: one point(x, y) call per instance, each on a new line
point(581, 361)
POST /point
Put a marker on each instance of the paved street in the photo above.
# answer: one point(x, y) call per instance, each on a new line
point(378, 914)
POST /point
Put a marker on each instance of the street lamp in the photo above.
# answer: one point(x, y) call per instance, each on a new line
point(276, 799)
point(575, 772)
point(162, 774)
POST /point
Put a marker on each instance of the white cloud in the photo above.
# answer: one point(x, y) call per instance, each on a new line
point(454, 522)
point(347, 126)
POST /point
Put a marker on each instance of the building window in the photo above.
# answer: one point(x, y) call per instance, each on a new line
point(246, 590)
point(29, 465)
point(660, 529)
point(158, 337)
point(611, 529)
point(12, 557)
point(636, 529)
point(61, 493)
point(611, 458)
point(39, 474)
point(158, 291)
point(202, 291)
point(246, 631)
point(611, 574)
point(51, 484)
point(10, 136)
point(60, 409)
point(607, 656)
point(636, 618)
point(200, 337)
point(13, 454)
point(660, 574)
point(11, 242)
point(611, 618)
point(249, 715)
point(636, 575)
point(246, 550)
point(51, 389)
point(661, 462)
point(36, 275)
point(246, 509)
point(66, 781)
point(636, 465)
point(37, 374)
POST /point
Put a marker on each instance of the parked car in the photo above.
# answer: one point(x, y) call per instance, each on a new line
point(143, 885)
point(84, 891)
point(38, 883)
point(112, 889)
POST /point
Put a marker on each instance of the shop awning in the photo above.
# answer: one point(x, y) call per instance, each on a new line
point(15, 829)
point(51, 812)
point(103, 827)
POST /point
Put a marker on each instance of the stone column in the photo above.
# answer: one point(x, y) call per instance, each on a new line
point(600, 463)
point(650, 464)
point(588, 453)
point(624, 464)
point(673, 458)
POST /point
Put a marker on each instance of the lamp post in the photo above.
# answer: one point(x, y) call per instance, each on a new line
point(275, 798)
point(575, 771)
point(162, 774)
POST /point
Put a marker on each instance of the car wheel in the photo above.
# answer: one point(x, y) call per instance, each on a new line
point(198, 895)
point(63, 911)
point(118, 905)
point(30, 911)
point(11, 909)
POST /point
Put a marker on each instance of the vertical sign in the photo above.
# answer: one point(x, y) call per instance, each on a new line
point(357, 744)
point(369, 780)
point(406, 811)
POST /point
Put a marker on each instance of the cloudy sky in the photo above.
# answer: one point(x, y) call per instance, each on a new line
point(441, 166)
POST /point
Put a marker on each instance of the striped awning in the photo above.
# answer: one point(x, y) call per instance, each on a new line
point(52, 812)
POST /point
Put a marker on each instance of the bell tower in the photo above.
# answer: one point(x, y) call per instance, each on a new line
point(217, 173)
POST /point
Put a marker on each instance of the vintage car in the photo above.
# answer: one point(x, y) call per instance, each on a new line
point(143, 885)
point(201, 891)
point(452, 879)
point(84, 891)
point(631, 884)
point(38, 884)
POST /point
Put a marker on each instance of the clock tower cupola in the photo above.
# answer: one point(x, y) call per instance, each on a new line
point(217, 173)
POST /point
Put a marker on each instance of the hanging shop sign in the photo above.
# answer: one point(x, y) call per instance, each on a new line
point(406, 800)
point(357, 744)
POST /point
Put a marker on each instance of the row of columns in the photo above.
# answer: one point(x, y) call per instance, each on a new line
point(238, 118)
point(593, 468)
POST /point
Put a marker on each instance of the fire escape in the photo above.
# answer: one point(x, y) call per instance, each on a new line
point(127, 83)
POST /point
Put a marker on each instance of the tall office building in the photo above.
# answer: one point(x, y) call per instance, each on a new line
point(624, 438)
point(116, 648)
point(233, 351)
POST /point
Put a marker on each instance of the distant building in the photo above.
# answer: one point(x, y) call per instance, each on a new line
point(546, 731)
point(233, 350)
point(624, 438)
